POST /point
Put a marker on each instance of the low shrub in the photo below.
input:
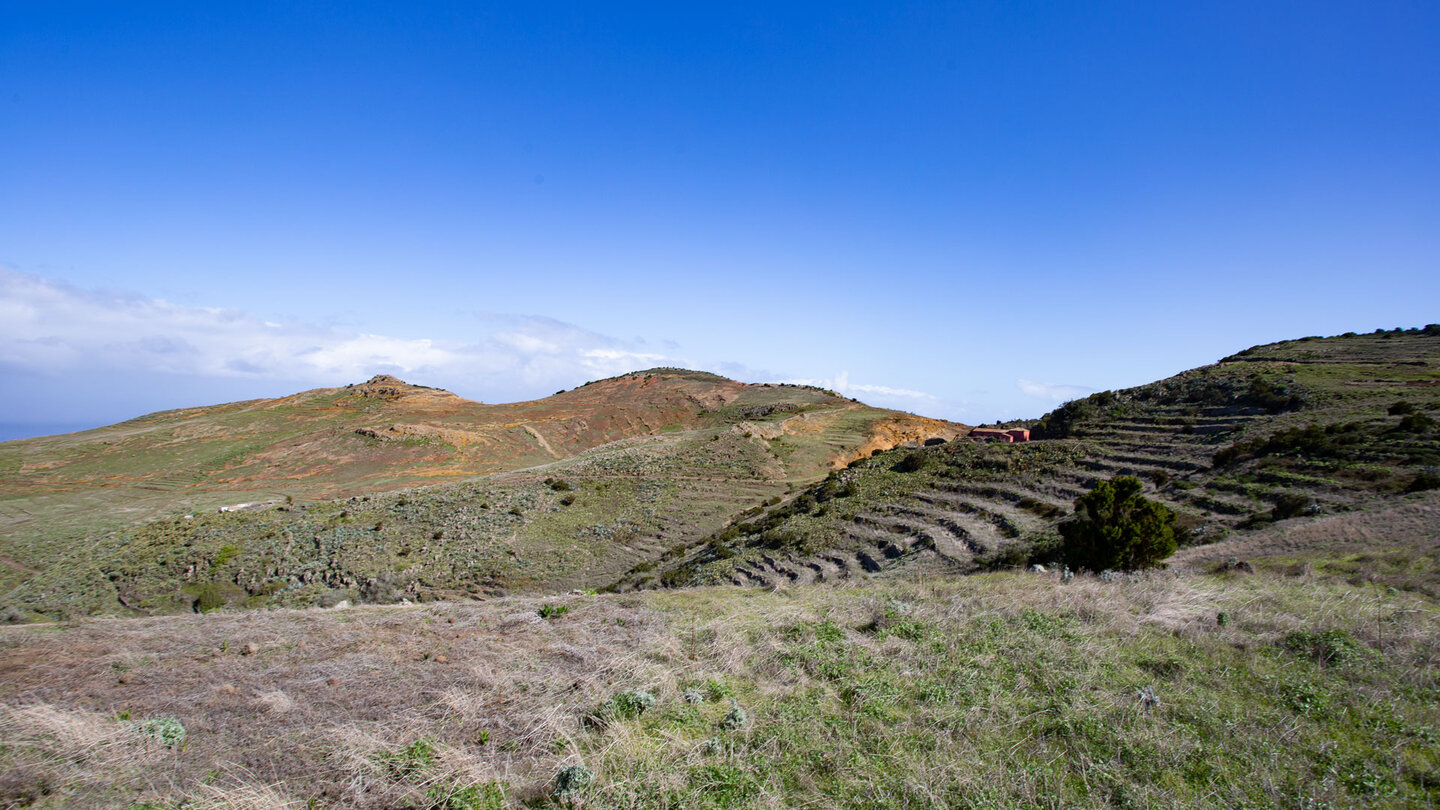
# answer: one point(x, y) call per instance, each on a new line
point(1424, 482)
point(1291, 505)
point(1313, 441)
point(912, 462)
point(416, 758)
point(627, 705)
point(1417, 423)
point(1326, 646)
point(571, 782)
point(168, 731)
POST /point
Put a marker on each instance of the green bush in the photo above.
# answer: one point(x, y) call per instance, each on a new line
point(552, 611)
point(1417, 423)
point(1012, 555)
point(912, 462)
point(213, 595)
point(1115, 528)
point(678, 577)
point(1291, 505)
point(1424, 482)
point(1334, 441)
point(1273, 397)
point(1401, 408)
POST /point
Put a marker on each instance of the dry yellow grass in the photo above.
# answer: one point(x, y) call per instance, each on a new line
point(287, 707)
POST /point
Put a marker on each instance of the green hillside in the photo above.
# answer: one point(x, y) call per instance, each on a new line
point(1289, 430)
point(565, 492)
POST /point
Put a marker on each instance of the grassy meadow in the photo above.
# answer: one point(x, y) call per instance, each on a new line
point(1276, 685)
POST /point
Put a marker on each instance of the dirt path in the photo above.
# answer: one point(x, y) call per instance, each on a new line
point(541, 439)
point(17, 565)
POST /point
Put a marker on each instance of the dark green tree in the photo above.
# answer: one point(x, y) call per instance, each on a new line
point(1116, 528)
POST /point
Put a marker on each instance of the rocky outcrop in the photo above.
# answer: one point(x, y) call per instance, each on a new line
point(902, 430)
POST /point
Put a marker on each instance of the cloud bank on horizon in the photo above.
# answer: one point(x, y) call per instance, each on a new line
point(56, 328)
point(1054, 392)
point(841, 384)
point(55, 331)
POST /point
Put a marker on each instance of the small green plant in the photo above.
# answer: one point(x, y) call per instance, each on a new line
point(716, 690)
point(571, 782)
point(485, 796)
point(627, 705)
point(415, 758)
point(735, 719)
point(553, 611)
point(167, 730)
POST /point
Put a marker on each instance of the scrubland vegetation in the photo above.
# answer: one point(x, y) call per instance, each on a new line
point(1285, 687)
point(909, 635)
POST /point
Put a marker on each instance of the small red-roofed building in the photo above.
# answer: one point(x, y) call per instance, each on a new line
point(993, 434)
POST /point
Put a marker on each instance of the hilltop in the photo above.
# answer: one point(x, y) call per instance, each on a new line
point(383, 490)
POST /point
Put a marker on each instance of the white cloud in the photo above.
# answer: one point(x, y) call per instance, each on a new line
point(841, 384)
point(56, 329)
point(1055, 392)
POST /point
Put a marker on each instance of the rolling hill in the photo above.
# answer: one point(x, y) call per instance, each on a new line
point(384, 490)
point(1297, 429)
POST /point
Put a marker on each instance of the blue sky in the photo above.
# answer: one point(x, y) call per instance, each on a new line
point(967, 210)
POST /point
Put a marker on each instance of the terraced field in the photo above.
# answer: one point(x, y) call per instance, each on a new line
point(969, 506)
